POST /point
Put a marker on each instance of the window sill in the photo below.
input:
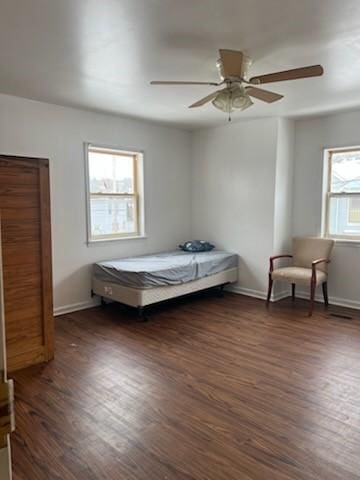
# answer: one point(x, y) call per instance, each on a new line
point(105, 241)
point(342, 242)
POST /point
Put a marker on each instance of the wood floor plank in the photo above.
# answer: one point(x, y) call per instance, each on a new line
point(208, 389)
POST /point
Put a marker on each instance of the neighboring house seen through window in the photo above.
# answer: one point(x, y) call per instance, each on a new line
point(114, 193)
point(342, 203)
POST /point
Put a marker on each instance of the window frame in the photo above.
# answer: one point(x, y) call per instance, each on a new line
point(138, 193)
point(328, 194)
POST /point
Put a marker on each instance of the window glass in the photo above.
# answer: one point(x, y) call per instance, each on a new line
point(345, 172)
point(111, 173)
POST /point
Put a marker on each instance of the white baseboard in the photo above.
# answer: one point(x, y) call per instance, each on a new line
point(257, 293)
point(74, 307)
point(341, 302)
point(249, 292)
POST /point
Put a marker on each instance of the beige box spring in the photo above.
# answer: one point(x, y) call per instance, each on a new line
point(137, 297)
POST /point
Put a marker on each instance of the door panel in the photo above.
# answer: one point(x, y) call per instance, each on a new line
point(26, 240)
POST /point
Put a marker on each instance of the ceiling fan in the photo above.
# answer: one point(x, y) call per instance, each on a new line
point(233, 67)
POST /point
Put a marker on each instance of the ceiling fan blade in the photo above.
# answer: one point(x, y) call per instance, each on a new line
point(232, 62)
point(204, 100)
point(294, 74)
point(264, 95)
point(160, 82)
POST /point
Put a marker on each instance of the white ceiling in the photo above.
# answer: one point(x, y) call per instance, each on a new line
point(102, 54)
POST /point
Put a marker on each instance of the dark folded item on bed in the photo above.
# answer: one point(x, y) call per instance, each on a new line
point(168, 268)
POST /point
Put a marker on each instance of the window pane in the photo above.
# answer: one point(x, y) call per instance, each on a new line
point(345, 172)
point(344, 218)
point(112, 215)
point(110, 173)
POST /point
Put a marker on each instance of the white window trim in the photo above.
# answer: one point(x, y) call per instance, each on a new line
point(141, 199)
point(342, 240)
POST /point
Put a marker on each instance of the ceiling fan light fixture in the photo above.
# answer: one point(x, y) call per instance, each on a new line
point(242, 102)
point(232, 99)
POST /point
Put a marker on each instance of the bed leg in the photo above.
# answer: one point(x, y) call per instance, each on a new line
point(141, 314)
point(102, 301)
point(221, 291)
point(92, 294)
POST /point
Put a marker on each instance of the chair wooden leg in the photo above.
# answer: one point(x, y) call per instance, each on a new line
point(325, 293)
point(269, 289)
point(293, 291)
point(312, 297)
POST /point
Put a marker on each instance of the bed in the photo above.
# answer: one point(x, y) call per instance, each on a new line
point(144, 280)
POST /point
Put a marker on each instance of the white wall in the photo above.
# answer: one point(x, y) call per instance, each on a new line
point(284, 185)
point(234, 169)
point(283, 203)
point(39, 129)
point(311, 137)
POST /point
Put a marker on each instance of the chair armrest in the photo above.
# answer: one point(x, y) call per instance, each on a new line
point(320, 260)
point(275, 257)
point(314, 264)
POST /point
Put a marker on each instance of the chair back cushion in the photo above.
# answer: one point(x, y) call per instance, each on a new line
point(308, 249)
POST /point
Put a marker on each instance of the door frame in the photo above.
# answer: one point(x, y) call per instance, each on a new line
point(5, 447)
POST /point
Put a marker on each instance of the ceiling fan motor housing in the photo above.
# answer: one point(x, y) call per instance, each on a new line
point(242, 68)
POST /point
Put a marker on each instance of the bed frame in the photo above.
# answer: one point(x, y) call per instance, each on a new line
point(142, 297)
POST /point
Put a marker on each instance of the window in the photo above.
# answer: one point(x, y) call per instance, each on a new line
point(114, 193)
point(342, 206)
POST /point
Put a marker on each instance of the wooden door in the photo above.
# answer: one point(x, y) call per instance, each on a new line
point(26, 244)
point(5, 425)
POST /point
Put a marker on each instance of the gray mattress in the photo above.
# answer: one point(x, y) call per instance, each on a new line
point(168, 268)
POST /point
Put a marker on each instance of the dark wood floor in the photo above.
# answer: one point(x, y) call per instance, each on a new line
point(208, 389)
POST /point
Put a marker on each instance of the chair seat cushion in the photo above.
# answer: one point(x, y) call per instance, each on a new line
point(298, 275)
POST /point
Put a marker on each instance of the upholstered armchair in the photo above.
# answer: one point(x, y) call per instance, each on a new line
point(310, 258)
